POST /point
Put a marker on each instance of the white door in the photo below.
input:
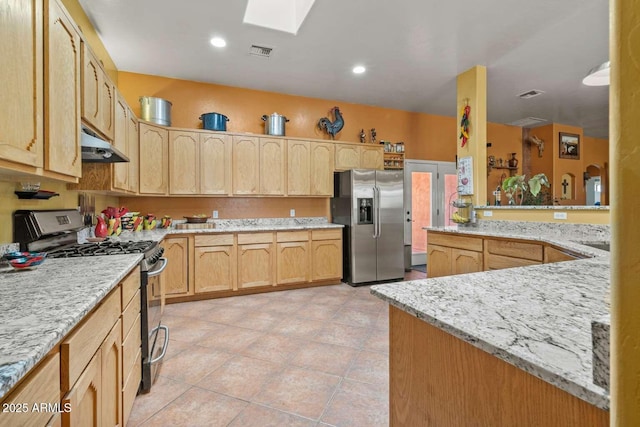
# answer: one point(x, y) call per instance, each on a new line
point(429, 186)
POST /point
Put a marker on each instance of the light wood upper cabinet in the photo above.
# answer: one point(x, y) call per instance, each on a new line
point(246, 165)
point(133, 147)
point(272, 166)
point(184, 165)
point(120, 142)
point(154, 159)
point(322, 165)
point(62, 96)
point(176, 275)
point(372, 157)
point(215, 163)
point(98, 94)
point(298, 168)
point(21, 74)
point(107, 105)
point(347, 156)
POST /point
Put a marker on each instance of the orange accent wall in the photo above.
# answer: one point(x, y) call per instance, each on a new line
point(504, 140)
point(570, 166)
point(596, 152)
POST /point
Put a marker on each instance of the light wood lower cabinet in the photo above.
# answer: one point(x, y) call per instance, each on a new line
point(256, 260)
point(111, 377)
point(84, 400)
point(438, 261)
point(552, 254)
point(326, 254)
point(176, 275)
point(463, 261)
point(215, 263)
point(293, 257)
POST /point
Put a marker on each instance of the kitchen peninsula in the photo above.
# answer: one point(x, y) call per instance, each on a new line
point(501, 348)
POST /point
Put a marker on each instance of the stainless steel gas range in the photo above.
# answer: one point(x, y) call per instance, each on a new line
point(55, 232)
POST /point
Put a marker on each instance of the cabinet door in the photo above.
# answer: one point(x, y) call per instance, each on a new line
point(111, 377)
point(372, 157)
point(298, 168)
point(107, 106)
point(62, 84)
point(121, 170)
point(322, 164)
point(272, 166)
point(132, 146)
point(326, 257)
point(91, 75)
point(246, 165)
point(215, 163)
point(154, 162)
point(176, 275)
point(183, 162)
point(255, 265)
point(465, 261)
point(438, 261)
point(21, 74)
point(215, 268)
point(347, 157)
point(85, 398)
point(293, 262)
point(552, 254)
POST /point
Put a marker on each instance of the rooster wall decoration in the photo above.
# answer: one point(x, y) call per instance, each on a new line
point(332, 128)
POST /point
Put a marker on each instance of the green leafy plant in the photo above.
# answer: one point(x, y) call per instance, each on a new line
point(515, 187)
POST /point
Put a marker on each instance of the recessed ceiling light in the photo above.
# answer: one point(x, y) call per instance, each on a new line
point(359, 69)
point(218, 42)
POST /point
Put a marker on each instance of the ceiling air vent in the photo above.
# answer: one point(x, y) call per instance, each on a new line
point(261, 51)
point(530, 94)
point(528, 122)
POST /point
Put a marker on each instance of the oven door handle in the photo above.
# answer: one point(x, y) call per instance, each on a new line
point(165, 345)
point(159, 270)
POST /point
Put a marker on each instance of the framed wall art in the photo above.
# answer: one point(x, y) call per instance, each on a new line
point(569, 146)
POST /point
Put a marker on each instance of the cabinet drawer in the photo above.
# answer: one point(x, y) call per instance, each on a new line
point(455, 241)
point(214, 240)
point(514, 249)
point(130, 314)
point(252, 238)
point(292, 236)
point(498, 262)
point(130, 389)
point(130, 349)
point(552, 254)
point(331, 234)
point(80, 346)
point(130, 285)
point(42, 385)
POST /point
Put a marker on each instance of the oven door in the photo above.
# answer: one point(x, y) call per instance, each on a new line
point(158, 334)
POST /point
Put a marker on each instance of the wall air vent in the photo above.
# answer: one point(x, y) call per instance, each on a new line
point(261, 51)
point(528, 122)
point(530, 94)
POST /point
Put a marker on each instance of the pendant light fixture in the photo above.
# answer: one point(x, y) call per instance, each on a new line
point(598, 76)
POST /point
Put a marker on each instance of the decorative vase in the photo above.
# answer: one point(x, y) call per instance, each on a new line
point(513, 162)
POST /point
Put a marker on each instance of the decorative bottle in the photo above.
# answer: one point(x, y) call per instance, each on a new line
point(513, 162)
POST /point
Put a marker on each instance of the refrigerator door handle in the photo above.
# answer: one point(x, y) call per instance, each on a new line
point(376, 209)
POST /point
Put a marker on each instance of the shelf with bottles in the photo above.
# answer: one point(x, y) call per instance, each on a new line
point(394, 160)
point(510, 164)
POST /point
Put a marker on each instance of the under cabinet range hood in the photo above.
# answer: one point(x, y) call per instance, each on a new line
point(97, 150)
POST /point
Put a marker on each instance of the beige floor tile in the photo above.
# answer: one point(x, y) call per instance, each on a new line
point(260, 321)
point(317, 312)
point(370, 367)
point(299, 391)
point(383, 320)
point(187, 330)
point(241, 377)
point(228, 338)
point(298, 327)
point(378, 341)
point(328, 358)
point(224, 314)
point(163, 392)
point(176, 347)
point(366, 302)
point(261, 416)
point(348, 409)
point(281, 306)
point(330, 299)
point(191, 366)
point(346, 335)
point(349, 316)
point(198, 407)
point(192, 309)
point(381, 391)
point(274, 348)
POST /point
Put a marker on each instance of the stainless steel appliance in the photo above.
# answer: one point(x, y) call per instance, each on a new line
point(97, 150)
point(55, 231)
point(274, 124)
point(369, 204)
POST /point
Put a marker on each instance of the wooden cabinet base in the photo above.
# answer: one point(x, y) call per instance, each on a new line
point(248, 291)
point(440, 380)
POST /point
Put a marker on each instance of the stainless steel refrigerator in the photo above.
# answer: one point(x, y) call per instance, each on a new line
point(369, 203)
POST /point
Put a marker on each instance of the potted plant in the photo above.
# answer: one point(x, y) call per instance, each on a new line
point(515, 187)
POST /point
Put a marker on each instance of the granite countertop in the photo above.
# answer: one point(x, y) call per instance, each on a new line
point(546, 207)
point(39, 307)
point(537, 318)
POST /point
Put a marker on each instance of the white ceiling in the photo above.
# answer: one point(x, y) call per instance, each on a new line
point(413, 50)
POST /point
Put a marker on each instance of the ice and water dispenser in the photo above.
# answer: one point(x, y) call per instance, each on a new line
point(365, 210)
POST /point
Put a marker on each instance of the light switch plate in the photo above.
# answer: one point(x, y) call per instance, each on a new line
point(487, 213)
point(559, 215)
point(215, 214)
point(292, 213)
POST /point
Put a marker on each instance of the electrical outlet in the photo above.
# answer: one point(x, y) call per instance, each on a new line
point(559, 215)
point(215, 214)
point(292, 213)
point(487, 213)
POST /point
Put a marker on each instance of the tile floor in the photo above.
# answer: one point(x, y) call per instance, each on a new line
point(307, 357)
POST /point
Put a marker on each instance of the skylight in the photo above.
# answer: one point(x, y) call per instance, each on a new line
point(281, 15)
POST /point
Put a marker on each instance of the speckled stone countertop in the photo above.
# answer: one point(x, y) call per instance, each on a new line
point(39, 307)
point(537, 318)
point(557, 208)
